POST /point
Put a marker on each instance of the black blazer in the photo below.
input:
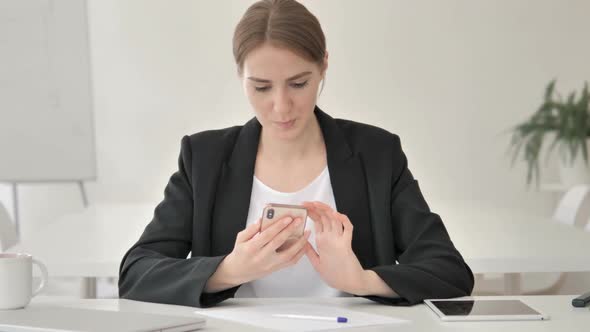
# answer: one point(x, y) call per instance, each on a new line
point(206, 204)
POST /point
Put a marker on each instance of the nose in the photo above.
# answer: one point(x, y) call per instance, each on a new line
point(282, 101)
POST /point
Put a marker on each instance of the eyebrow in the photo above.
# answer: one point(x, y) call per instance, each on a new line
point(288, 79)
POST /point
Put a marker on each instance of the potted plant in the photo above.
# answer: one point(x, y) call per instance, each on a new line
point(564, 121)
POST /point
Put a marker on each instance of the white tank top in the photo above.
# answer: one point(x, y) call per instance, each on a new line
point(299, 280)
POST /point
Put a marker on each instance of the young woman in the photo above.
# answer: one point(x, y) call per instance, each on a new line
point(370, 232)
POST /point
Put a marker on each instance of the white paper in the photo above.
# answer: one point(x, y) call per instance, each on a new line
point(261, 316)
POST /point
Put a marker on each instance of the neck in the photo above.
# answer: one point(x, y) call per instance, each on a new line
point(308, 144)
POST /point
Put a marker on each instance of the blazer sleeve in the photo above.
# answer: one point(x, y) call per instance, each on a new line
point(429, 265)
point(156, 268)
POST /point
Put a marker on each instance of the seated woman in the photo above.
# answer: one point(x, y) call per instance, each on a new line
point(370, 232)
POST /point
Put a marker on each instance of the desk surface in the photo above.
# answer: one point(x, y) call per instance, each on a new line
point(563, 317)
point(91, 244)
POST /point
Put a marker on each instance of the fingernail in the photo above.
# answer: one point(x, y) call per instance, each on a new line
point(288, 220)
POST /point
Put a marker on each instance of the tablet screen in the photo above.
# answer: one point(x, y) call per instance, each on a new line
point(484, 307)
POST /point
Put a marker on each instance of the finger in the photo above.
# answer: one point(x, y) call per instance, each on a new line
point(316, 215)
point(323, 206)
point(269, 233)
point(299, 246)
point(297, 257)
point(312, 212)
point(283, 235)
point(317, 220)
point(336, 223)
point(326, 223)
point(318, 206)
point(325, 212)
point(301, 252)
point(248, 232)
point(313, 256)
point(308, 204)
point(309, 207)
point(348, 227)
point(317, 226)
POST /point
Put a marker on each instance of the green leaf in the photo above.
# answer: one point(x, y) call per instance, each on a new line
point(568, 119)
point(549, 89)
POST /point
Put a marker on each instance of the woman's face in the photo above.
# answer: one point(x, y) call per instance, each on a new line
point(282, 88)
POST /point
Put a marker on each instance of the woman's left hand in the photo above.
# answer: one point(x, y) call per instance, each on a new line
point(335, 261)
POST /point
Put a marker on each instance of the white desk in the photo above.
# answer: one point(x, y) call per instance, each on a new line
point(491, 240)
point(563, 317)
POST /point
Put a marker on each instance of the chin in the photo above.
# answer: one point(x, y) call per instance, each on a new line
point(287, 135)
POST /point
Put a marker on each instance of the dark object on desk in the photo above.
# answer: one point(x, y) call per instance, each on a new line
point(582, 300)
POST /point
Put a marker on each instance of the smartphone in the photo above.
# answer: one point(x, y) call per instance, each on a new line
point(273, 212)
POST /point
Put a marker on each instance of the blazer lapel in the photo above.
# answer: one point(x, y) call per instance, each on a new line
point(348, 179)
point(347, 176)
point(230, 211)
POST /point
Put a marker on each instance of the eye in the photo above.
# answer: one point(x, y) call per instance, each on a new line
point(299, 85)
point(261, 88)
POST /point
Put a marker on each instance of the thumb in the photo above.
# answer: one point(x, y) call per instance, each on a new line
point(248, 232)
point(313, 256)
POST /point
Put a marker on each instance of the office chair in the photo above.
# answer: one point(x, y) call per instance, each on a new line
point(567, 212)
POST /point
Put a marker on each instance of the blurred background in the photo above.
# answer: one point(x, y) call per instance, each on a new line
point(451, 78)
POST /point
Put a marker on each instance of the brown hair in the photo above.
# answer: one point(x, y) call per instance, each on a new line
point(283, 23)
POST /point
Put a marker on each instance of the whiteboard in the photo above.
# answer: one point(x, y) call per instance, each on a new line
point(46, 119)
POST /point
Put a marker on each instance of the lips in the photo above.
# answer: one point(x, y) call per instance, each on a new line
point(284, 124)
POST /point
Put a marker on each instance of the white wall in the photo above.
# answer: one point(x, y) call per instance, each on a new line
point(448, 76)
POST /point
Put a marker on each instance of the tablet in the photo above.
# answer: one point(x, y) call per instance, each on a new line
point(470, 309)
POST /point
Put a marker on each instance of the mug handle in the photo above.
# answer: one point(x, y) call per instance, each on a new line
point(44, 277)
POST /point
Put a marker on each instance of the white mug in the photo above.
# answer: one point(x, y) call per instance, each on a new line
point(16, 280)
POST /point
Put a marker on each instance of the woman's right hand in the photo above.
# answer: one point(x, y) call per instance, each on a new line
point(255, 255)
